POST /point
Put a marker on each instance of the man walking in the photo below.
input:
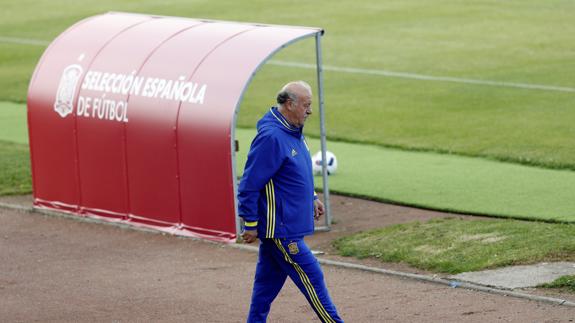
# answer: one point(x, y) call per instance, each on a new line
point(278, 204)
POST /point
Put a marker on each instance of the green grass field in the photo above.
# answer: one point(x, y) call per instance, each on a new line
point(499, 42)
point(445, 182)
point(13, 123)
point(511, 41)
point(455, 246)
point(15, 177)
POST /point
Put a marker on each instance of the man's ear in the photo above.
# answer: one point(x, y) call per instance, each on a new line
point(291, 104)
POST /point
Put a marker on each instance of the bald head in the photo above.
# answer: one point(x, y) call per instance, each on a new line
point(294, 102)
point(293, 90)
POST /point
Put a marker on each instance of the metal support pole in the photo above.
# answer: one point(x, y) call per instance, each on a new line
point(322, 131)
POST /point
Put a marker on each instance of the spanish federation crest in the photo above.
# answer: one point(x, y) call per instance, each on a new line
point(293, 249)
point(64, 104)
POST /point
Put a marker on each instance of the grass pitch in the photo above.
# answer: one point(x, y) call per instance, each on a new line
point(15, 177)
point(444, 182)
point(455, 246)
point(13, 123)
point(525, 42)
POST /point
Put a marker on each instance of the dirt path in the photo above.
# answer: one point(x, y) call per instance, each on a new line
point(60, 270)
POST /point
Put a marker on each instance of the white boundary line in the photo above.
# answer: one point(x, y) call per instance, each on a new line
point(423, 77)
point(353, 70)
point(23, 41)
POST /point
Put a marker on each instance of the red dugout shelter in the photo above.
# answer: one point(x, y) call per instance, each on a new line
point(131, 118)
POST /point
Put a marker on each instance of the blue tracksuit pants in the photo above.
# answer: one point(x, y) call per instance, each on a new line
point(278, 259)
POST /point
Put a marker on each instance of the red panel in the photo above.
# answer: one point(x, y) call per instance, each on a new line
point(152, 146)
point(52, 137)
point(204, 136)
point(101, 132)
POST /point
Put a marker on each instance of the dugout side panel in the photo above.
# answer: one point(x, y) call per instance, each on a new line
point(205, 134)
point(51, 104)
point(113, 123)
point(154, 181)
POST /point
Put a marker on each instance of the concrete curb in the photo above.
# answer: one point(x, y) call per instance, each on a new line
point(451, 283)
point(17, 207)
point(339, 264)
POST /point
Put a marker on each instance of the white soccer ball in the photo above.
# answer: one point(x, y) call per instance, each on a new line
point(331, 163)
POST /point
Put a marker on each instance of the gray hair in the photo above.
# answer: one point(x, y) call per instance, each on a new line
point(287, 93)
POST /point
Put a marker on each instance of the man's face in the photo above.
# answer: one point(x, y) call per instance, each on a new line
point(301, 109)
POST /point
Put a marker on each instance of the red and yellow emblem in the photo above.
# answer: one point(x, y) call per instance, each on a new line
point(293, 249)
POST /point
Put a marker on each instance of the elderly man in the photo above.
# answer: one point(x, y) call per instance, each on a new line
point(278, 204)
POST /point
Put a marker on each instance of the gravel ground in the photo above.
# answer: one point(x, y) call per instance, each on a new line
point(60, 270)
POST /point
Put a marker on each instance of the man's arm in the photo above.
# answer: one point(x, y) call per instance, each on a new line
point(263, 162)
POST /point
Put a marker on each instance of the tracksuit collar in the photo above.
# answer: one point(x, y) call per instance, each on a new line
point(283, 121)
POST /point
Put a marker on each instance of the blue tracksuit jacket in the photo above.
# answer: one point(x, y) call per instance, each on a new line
point(276, 191)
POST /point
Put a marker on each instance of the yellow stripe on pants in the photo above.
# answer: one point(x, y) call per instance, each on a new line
point(307, 284)
point(271, 214)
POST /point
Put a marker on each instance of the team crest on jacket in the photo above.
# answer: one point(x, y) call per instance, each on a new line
point(293, 152)
point(293, 249)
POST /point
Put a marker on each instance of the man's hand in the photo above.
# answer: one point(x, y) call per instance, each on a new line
point(318, 209)
point(250, 236)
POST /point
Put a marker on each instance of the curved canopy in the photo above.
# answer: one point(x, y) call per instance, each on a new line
point(131, 118)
